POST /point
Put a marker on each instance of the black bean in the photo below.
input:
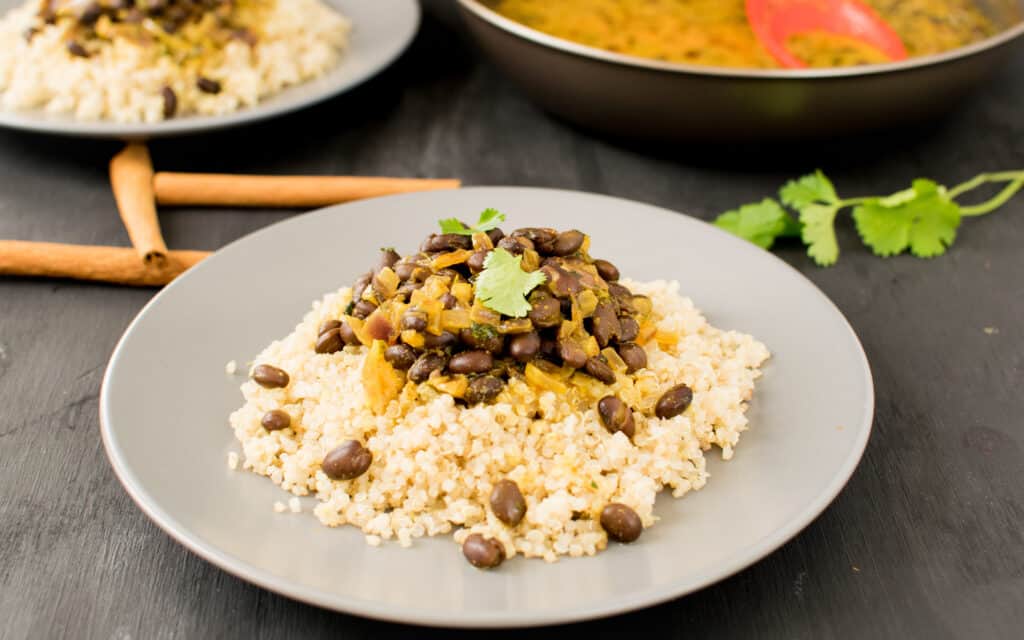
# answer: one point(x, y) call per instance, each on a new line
point(621, 523)
point(388, 258)
point(483, 336)
point(524, 346)
point(568, 243)
point(170, 102)
point(405, 289)
point(507, 502)
point(495, 235)
point(616, 416)
point(414, 320)
point(327, 325)
point(515, 245)
point(449, 273)
point(348, 460)
point(629, 329)
point(477, 361)
point(401, 356)
point(549, 349)
point(446, 242)
point(348, 336)
point(425, 365)
point(76, 49)
point(91, 14)
point(598, 367)
point(483, 389)
point(360, 286)
point(208, 85)
point(572, 353)
point(329, 342)
point(546, 311)
point(608, 271)
point(543, 239)
point(483, 553)
point(605, 324)
point(633, 355)
point(363, 309)
point(561, 283)
point(674, 401)
point(448, 301)
point(476, 261)
point(621, 295)
point(275, 420)
point(443, 341)
point(269, 377)
point(404, 270)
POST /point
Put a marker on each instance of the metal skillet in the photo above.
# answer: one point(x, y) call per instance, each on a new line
point(641, 98)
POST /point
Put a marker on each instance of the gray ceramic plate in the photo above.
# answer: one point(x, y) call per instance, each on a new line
point(166, 398)
point(380, 32)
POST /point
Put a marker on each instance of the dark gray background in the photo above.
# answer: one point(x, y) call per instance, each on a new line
point(925, 541)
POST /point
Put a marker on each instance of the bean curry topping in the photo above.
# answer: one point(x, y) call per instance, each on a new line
point(556, 318)
point(574, 325)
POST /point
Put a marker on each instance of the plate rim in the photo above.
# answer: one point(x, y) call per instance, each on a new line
point(641, 599)
point(28, 120)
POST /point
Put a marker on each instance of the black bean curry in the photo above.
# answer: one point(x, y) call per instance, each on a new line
point(431, 327)
point(423, 316)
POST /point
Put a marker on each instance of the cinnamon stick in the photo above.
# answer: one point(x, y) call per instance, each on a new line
point(131, 176)
point(214, 189)
point(120, 265)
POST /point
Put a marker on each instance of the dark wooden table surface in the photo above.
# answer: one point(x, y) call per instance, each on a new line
point(925, 542)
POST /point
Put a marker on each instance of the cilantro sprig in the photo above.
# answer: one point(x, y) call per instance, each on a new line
point(923, 219)
point(489, 219)
point(503, 285)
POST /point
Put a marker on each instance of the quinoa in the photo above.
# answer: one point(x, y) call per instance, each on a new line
point(127, 81)
point(436, 461)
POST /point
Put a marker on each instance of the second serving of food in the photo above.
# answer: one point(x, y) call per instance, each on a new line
point(512, 388)
point(133, 61)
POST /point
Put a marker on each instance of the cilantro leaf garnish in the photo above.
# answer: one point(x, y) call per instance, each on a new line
point(923, 219)
point(760, 222)
point(489, 219)
point(503, 285)
point(819, 232)
point(812, 188)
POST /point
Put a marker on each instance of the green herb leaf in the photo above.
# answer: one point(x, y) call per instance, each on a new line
point(759, 222)
point(922, 219)
point(503, 285)
point(819, 233)
point(810, 189)
point(489, 219)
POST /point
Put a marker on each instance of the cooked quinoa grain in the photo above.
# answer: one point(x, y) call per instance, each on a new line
point(436, 461)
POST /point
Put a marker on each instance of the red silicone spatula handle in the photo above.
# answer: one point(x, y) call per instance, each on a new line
point(774, 21)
